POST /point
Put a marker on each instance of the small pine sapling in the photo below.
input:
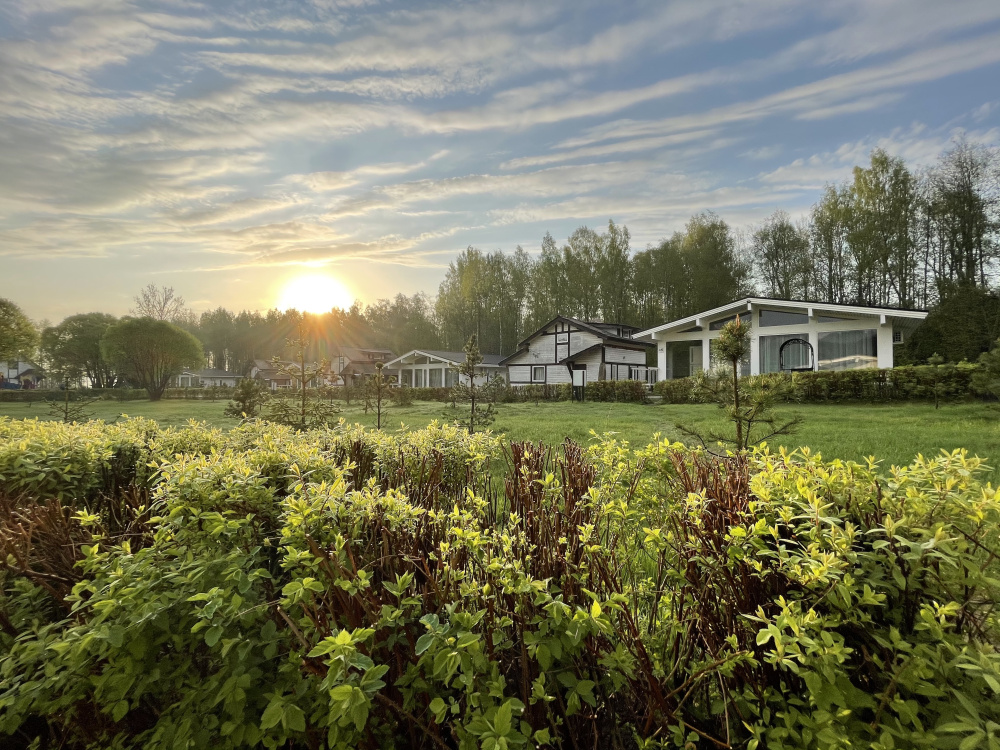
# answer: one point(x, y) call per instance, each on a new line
point(306, 413)
point(249, 397)
point(377, 389)
point(937, 385)
point(748, 402)
point(69, 411)
point(467, 390)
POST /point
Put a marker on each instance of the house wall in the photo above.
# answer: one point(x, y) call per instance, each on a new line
point(810, 330)
point(519, 374)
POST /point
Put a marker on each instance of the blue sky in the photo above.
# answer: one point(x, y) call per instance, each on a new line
point(224, 148)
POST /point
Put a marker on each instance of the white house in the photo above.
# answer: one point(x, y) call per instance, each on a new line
point(786, 335)
point(206, 378)
point(603, 351)
point(426, 368)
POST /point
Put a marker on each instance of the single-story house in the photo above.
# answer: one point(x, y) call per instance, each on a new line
point(786, 335)
point(355, 364)
point(207, 378)
point(602, 351)
point(426, 368)
point(20, 374)
point(274, 379)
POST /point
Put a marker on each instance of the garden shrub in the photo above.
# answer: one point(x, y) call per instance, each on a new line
point(906, 383)
point(348, 588)
point(627, 391)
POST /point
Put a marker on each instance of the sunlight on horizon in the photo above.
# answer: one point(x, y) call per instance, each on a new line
point(314, 293)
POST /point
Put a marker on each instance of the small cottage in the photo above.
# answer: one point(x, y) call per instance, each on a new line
point(601, 351)
point(425, 368)
point(207, 378)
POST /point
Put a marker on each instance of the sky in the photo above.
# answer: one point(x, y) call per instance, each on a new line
point(227, 148)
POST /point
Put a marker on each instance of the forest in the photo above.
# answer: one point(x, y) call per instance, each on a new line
point(891, 236)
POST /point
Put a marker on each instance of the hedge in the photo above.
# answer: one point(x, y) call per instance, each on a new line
point(339, 589)
point(906, 383)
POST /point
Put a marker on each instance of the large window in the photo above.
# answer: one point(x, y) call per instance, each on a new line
point(782, 318)
point(795, 356)
point(716, 325)
point(436, 378)
point(419, 379)
point(450, 377)
point(407, 377)
point(848, 350)
point(537, 374)
point(716, 362)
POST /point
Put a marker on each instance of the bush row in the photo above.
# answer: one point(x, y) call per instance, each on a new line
point(346, 589)
point(905, 383)
point(36, 395)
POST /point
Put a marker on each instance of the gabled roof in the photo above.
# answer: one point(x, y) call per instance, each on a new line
point(702, 318)
point(452, 358)
point(594, 327)
point(356, 353)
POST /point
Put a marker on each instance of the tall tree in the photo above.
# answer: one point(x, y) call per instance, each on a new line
point(615, 275)
point(882, 231)
point(160, 303)
point(831, 257)
point(18, 335)
point(716, 272)
point(148, 353)
point(782, 259)
point(72, 349)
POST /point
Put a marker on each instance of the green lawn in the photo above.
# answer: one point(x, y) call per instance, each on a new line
point(893, 433)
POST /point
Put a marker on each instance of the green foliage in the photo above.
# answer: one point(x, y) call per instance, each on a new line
point(906, 383)
point(73, 349)
point(148, 353)
point(987, 377)
point(964, 325)
point(248, 398)
point(18, 335)
point(377, 389)
point(348, 588)
point(70, 409)
point(469, 390)
point(301, 412)
point(748, 402)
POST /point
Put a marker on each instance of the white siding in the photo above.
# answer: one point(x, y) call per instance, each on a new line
point(541, 350)
point(624, 356)
point(558, 374)
point(520, 373)
point(593, 362)
point(580, 340)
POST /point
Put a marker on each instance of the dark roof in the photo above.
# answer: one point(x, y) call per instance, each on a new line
point(593, 327)
point(356, 353)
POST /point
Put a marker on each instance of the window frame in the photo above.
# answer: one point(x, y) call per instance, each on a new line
point(534, 369)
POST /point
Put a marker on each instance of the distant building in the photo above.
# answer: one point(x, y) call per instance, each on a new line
point(602, 351)
point(18, 374)
point(207, 378)
point(427, 368)
point(786, 335)
point(354, 364)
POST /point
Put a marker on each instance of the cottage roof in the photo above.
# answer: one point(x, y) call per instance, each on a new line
point(910, 318)
point(598, 328)
point(452, 358)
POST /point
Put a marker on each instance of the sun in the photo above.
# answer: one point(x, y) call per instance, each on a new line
point(314, 293)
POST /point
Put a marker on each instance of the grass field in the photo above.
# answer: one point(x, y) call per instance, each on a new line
point(892, 433)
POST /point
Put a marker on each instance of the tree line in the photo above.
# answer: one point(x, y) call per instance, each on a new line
point(889, 236)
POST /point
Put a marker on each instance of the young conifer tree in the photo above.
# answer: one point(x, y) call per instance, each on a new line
point(467, 390)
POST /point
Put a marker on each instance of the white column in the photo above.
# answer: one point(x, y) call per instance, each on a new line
point(706, 354)
point(884, 344)
point(661, 360)
point(754, 352)
point(814, 341)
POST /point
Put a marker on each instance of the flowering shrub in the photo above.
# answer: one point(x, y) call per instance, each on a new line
point(344, 588)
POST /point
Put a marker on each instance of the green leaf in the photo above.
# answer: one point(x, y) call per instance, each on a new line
point(293, 719)
point(424, 642)
point(212, 635)
point(501, 724)
point(272, 714)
